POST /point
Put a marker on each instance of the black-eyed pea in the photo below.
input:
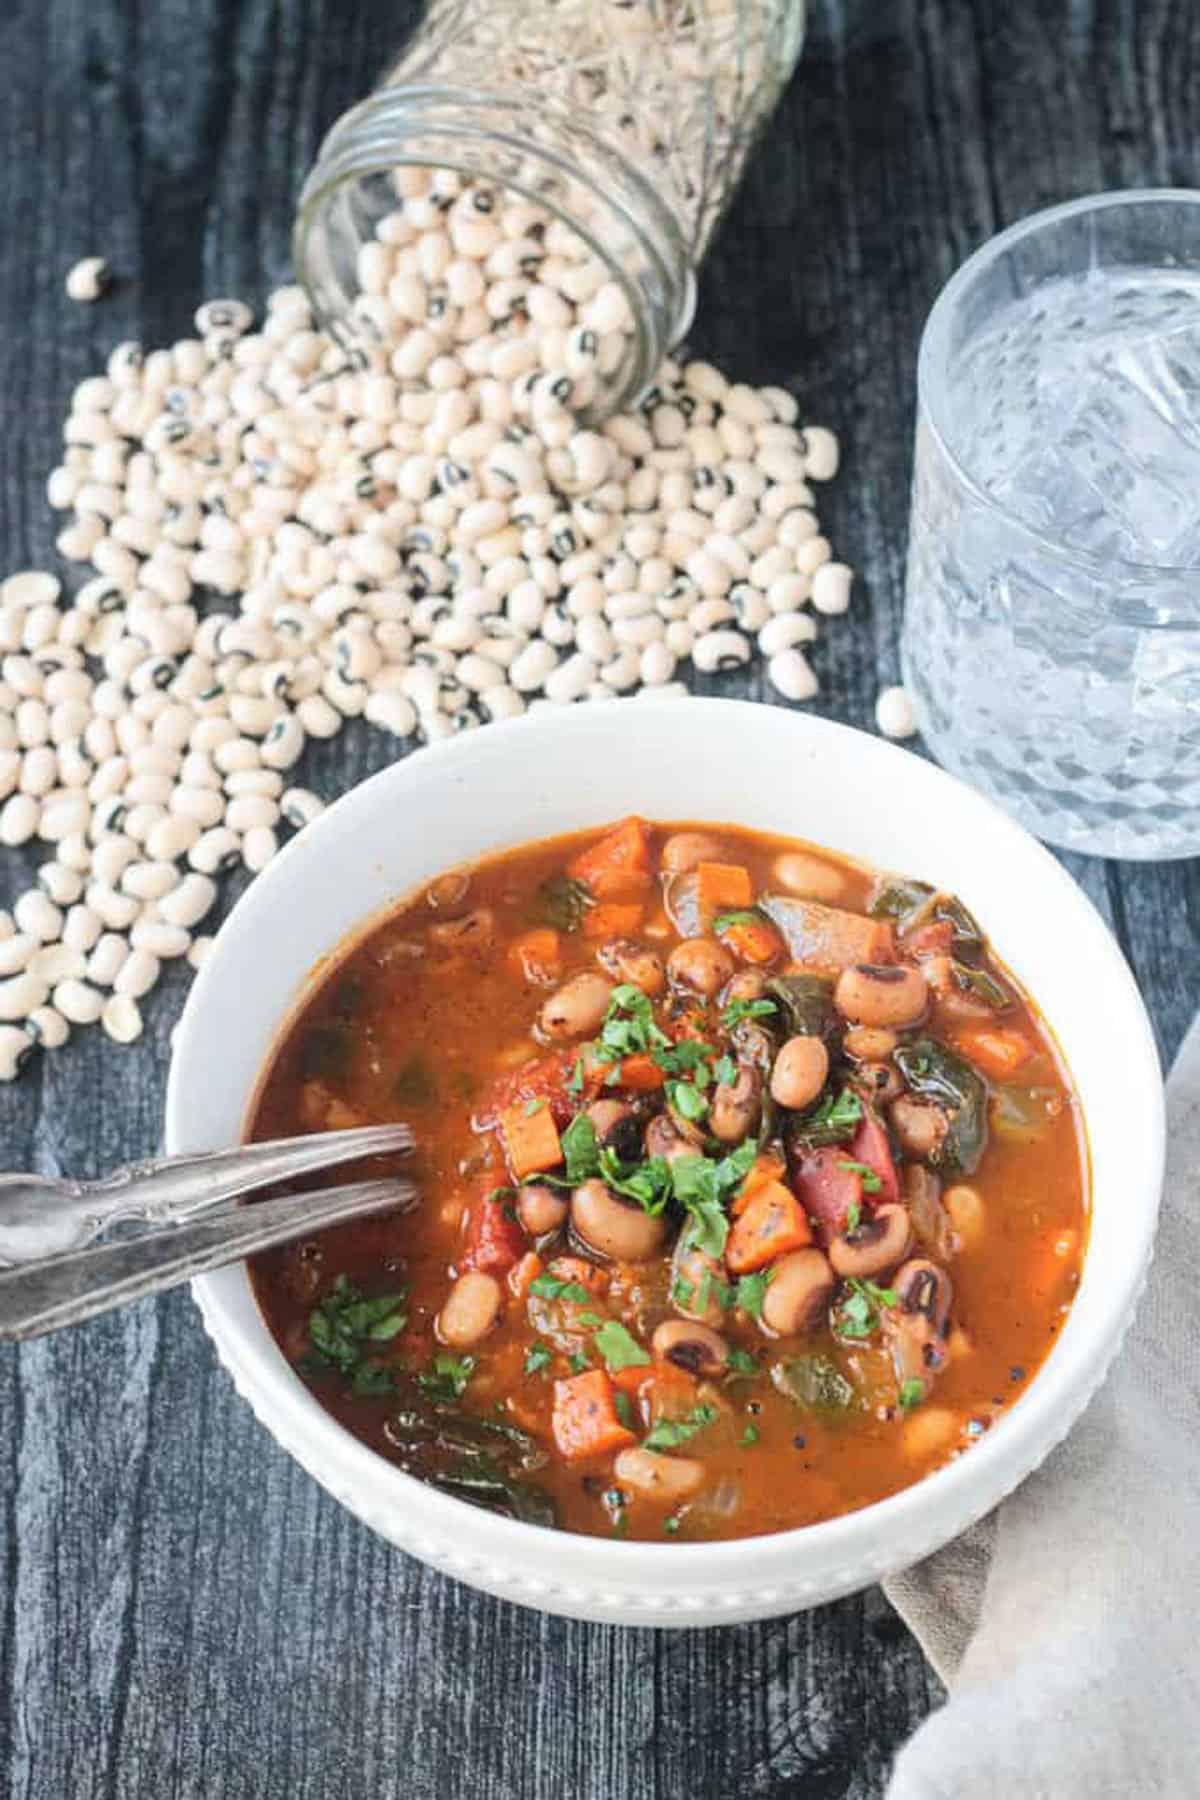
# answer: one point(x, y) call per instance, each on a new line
point(808, 876)
point(693, 1347)
point(669, 1479)
point(735, 1105)
point(577, 1008)
point(684, 850)
point(702, 964)
point(747, 984)
point(616, 1227)
point(880, 1243)
point(929, 1431)
point(633, 962)
point(919, 1125)
point(800, 1071)
point(966, 1209)
point(798, 1293)
point(870, 1043)
point(473, 934)
point(471, 1309)
point(885, 994)
point(541, 1208)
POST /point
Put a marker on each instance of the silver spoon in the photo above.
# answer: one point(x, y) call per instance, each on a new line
point(54, 1272)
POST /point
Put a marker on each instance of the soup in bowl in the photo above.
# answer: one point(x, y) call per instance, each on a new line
point(757, 1244)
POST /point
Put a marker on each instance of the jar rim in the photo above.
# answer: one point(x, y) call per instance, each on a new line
point(397, 127)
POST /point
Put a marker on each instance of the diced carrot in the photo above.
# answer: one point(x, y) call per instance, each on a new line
point(828, 938)
point(612, 919)
point(996, 1050)
point(721, 887)
point(576, 1268)
point(585, 1417)
point(765, 1167)
point(522, 1273)
point(536, 956)
point(618, 866)
point(531, 1139)
point(772, 1223)
point(752, 940)
point(641, 1073)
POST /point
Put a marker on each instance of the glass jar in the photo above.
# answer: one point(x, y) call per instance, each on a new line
point(629, 121)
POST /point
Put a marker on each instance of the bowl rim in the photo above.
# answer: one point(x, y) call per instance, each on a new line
point(964, 1488)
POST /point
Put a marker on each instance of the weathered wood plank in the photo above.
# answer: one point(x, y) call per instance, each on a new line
point(182, 1612)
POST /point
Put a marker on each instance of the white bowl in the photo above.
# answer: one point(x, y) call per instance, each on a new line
point(696, 759)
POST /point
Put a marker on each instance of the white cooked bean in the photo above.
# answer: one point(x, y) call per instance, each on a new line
point(17, 951)
point(78, 1002)
point(57, 962)
point(122, 1019)
point(81, 929)
point(36, 914)
point(107, 959)
point(790, 673)
point(259, 846)
point(21, 994)
point(15, 1047)
point(137, 974)
point(162, 940)
point(200, 951)
point(47, 1025)
point(894, 713)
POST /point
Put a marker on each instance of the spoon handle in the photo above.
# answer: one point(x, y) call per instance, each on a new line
point(45, 1296)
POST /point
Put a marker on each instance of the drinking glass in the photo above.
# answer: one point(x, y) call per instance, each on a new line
point(1052, 621)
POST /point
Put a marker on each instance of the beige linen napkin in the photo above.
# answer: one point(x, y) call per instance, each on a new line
point(1067, 1624)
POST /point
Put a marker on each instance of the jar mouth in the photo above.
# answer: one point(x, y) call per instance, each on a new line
point(496, 138)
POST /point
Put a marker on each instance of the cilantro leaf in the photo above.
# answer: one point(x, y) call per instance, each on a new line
point(684, 1058)
point(746, 915)
point(538, 1356)
point(649, 1183)
point(853, 1217)
point(536, 1105)
point(742, 1363)
point(858, 1314)
point(629, 1027)
point(737, 1010)
point(687, 1102)
point(835, 1118)
point(562, 901)
point(912, 1392)
point(725, 1070)
point(552, 1287)
point(619, 1348)
point(870, 1180)
point(345, 1322)
point(581, 1150)
point(579, 1362)
point(668, 1434)
point(751, 1291)
point(447, 1376)
point(750, 1435)
point(623, 1406)
point(682, 1291)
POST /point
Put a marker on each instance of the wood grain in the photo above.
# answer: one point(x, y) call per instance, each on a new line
point(183, 1613)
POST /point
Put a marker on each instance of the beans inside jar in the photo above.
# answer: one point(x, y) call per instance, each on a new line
point(736, 1161)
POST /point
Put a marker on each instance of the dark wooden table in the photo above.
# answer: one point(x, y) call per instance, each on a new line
point(184, 1613)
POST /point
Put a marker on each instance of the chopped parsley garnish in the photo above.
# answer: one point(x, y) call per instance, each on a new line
point(853, 1217)
point(581, 1149)
point(749, 1435)
point(685, 1058)
point(552, 1287)
point(575, 1084)
point(579, 1362)
point(832, 1121)
point(912, 1392)
point(538, 1357)
point(624, 1409)
point(629, 1028)
point(743, 916)
point(502, 1193)
point(671, 1523)
point(668, 1434)
point(682, 1292)
point(742, 1363)
point(725, 1070)
point(702, 1185)
point(345, 1323)
point(649, 1183)
point(858, 1314)
point(687, 1101)
point(751, 1291)
point(534, 1106)
point(562, 901)
point(619, 1348)
point(870, 1180)
point(447, 1376)
point(737, 1010)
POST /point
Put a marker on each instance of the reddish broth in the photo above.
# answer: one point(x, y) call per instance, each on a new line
point(431, 1017)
